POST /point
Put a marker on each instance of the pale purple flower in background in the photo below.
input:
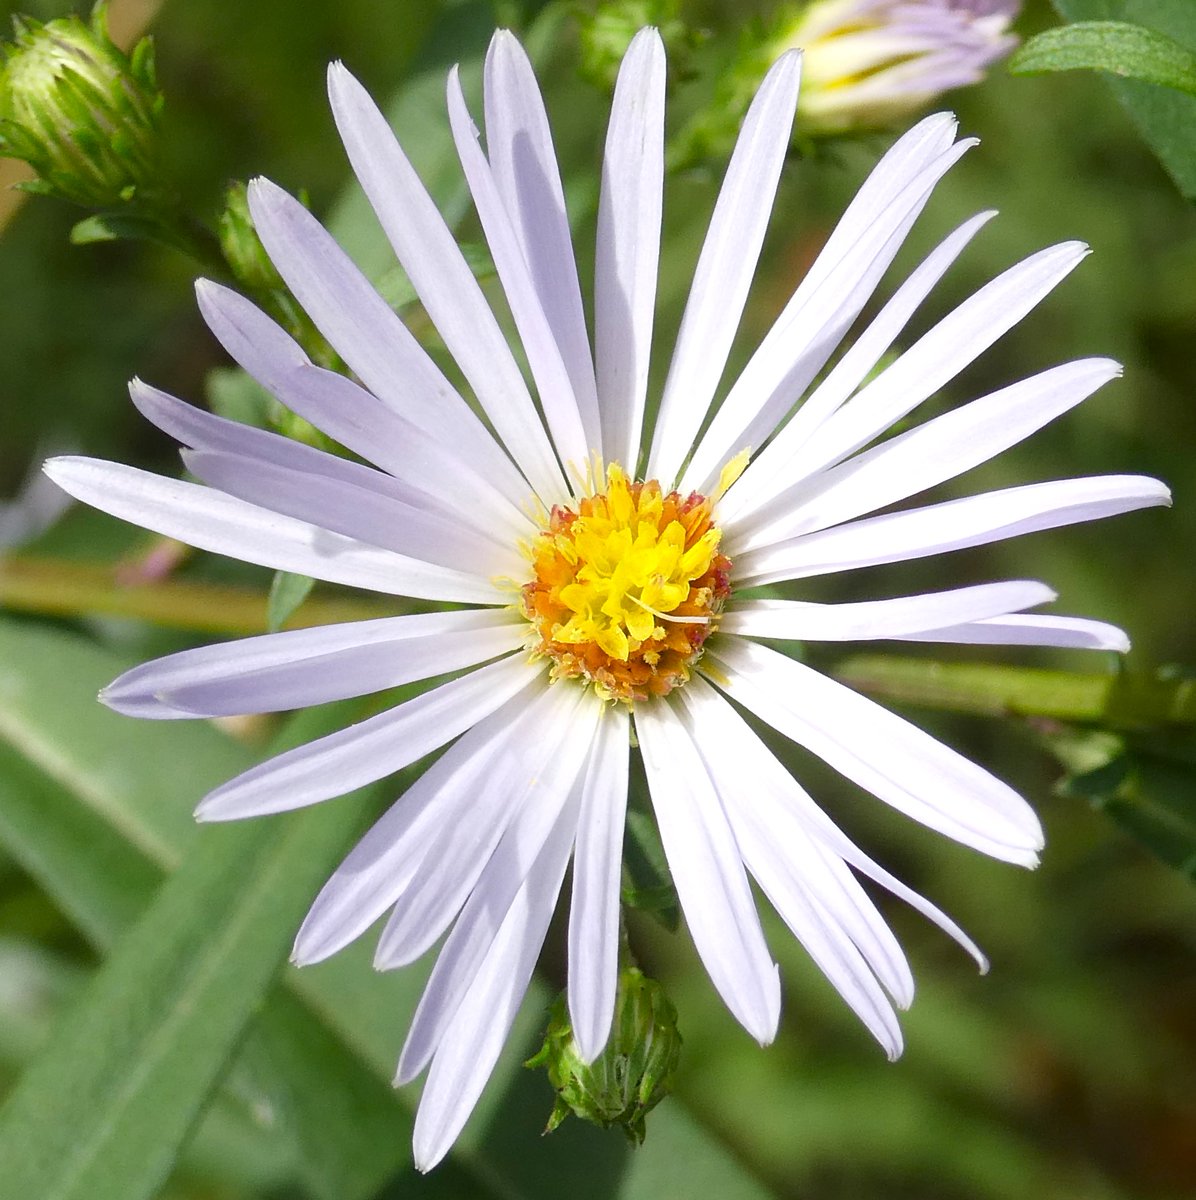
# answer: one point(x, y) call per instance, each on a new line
point(872, 62)
point(589, 602)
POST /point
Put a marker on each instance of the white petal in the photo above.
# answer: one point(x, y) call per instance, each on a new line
point(366, 333)
point(894, 760)
point(555, 388)
point(519, 144)
point(480, 1026)
point(355, 508)
point(546, 825)
point(907, 159)
point(381, 866)
point(443, 280)
point(201, 430)
point(725, 268)
point(597, 872)
point(708, 872)
point(628, 246)
point(371, 749)
point(523, 794)
point(303, 667)
point(820, 908)
point(210, 520)
point(1032, 629)
point(737, 741)
point(485, 490)
point(813, 323)
point(930, 454)
point(952, 525)
point(937, 357)
point(798, 620)
point(758, 482)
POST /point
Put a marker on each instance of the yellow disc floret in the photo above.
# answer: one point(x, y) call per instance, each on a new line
point(627, 588)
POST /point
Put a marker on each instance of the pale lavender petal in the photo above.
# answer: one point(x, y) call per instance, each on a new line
point(708, 872)
point(929, 455)
point(544, 768)
point(446, 285)
point(628, 246)
point(470, 1049)
point(210, 520)
point(937, 357)
point(363, 329)
point(792, 870)
point(382, 865)
point(555, 387)
point(737, 741)
point(759, 482)
point(345, 506)
point(483, 490)
point(371, 749)
point(812, 326)
point(725, 268)
point(1031, 629)
point(902, 616)
point(302, 667)
point(521, 153)
point(952, 525)
point(597, 873)
point(546, 825)
point(881, 752)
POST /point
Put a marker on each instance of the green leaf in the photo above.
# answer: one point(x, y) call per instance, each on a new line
point(102, 1112)
point(1145, 782)
point(103, 881)
point(1166, 118)
point(287, 592)
point(1122, 49)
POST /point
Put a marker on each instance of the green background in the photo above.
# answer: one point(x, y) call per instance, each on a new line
point(1068, 1072)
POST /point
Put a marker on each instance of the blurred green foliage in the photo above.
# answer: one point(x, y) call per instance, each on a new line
point(1069, 1072)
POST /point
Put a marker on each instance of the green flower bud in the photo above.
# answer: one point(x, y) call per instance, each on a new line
point(242, 248)
point(633, 1073)
point(82, 113)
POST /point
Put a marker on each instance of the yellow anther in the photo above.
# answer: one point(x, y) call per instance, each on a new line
point(624, 588)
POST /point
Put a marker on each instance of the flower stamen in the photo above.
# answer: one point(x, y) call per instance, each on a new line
point(625, 589)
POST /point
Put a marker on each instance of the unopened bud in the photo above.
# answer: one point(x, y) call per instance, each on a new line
point(242, 248)
point(633, 1073)
point(81, 112)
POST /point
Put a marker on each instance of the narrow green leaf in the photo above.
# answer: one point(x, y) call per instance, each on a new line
point(102, 1113)
point(1129, 51)
point(97, 877)
point(364, 1012)
point(287, 593)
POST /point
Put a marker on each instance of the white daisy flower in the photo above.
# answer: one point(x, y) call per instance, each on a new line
point(601, 573)
point(870, 62)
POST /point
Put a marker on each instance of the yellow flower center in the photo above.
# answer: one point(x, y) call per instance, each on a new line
point(626, 590)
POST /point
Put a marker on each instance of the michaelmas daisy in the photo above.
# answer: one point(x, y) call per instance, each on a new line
point(599, 567)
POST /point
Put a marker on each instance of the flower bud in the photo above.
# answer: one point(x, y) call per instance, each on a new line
point(632, 1074)
point(82, 113)
point(870, 63)
point(241, 246)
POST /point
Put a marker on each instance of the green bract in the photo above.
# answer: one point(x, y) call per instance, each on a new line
point(631, 1076)
point(81, 112)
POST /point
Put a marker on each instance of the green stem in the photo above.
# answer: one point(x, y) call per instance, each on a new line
point(74, 589)
point(1127, 700)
